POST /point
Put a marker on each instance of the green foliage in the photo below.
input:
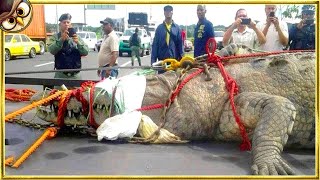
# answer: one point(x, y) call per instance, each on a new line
point(50, 28)
point(292, 10)
point(190, 30)
point(97, 30)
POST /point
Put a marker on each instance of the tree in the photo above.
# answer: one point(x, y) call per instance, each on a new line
point(51, 28)
point(292, 11)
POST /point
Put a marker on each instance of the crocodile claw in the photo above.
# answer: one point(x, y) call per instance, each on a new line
point(273, 165)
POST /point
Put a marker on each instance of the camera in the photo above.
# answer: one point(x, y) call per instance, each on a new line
point(309, 21)
point(72, 32)
point(245, 21)
point(271, 14)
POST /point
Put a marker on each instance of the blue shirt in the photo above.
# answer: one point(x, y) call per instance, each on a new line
point(161, 50)
point(203, 31)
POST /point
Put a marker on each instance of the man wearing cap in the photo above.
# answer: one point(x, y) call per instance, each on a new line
point(167, 42)
point(67, 50)
point(203, 31)
point(302, 35)
point(109, 51)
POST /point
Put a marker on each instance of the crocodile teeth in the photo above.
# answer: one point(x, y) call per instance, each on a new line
point(69, 113)
point(52, 108)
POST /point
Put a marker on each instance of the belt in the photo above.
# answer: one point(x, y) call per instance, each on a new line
point(109, 65)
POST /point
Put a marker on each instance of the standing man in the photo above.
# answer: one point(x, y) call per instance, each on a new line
point(302, 35)
point(203, 32)
point(109, 51)
point(276, 31)
point(67, 49)
point(135, 44)
point(239, 33)
point(167, 42)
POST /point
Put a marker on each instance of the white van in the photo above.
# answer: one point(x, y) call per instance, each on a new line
point(90, 38)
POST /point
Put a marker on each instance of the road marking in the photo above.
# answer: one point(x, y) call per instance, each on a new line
point(123, 65)
point(43, 64)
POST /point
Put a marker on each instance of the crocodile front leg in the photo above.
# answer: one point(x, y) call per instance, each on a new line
point(268, 120)
point(270, 136)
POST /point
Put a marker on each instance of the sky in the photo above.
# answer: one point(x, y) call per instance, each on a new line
point(183, 14)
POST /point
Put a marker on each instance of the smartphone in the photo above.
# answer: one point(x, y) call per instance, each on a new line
point(245, 21)
point(271, 14)
point(72, 32)
point(309, 21)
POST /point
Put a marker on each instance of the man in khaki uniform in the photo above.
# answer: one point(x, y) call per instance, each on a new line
point(109, 51)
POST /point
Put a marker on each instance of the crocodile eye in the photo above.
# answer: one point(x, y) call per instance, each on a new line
point(23, 9)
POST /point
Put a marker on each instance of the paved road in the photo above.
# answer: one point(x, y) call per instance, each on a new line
point(84, 155)
point(46, 62)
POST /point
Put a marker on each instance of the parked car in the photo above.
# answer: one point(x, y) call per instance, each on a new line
point(187, 45)
point(20, 45)
point(218, 35)
point(98, 44)
point(145, 42)
point(90, 38)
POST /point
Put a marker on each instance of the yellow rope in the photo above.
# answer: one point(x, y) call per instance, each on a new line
point(49, 133)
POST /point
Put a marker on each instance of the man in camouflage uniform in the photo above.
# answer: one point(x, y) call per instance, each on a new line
point(302, 35)
point(67, 50)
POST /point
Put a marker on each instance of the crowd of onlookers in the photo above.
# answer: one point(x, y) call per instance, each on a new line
point(168, 42)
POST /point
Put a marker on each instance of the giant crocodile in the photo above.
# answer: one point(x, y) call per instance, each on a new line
point(276, 103)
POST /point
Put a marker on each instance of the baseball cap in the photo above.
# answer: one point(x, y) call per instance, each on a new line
point(107, 21)
point(168, 8)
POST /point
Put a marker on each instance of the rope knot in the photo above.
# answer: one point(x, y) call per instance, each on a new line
point(232, 86)
point(214, 59)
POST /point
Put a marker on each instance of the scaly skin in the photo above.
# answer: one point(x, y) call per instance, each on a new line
point(276, 103)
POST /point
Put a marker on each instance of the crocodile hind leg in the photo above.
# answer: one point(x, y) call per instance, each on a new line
point(270, 118)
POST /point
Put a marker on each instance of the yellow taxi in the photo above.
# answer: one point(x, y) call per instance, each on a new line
point(20, 45)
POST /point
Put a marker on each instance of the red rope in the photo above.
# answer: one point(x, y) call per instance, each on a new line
point(184, 82)
point(17, 95)
point(174, 94)
point(62, 109)
point(232, 88)
point(77, 93)
point(264, 54)
point(154, 106)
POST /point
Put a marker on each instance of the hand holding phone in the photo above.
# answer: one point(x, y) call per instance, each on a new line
point(71, 31)
point(245, 21)
point(271, 14)
point(309, 21)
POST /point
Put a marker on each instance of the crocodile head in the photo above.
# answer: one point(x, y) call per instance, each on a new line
point(75, 113)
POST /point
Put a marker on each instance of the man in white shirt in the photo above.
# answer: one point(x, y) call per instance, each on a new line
point(276, 31)
point(109, 50)
point(239, 33)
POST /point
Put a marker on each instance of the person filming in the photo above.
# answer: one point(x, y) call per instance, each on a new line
point(302, 34)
